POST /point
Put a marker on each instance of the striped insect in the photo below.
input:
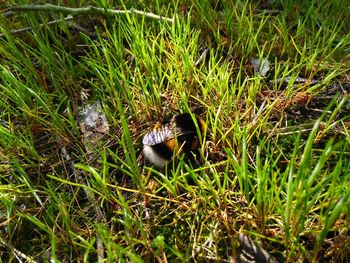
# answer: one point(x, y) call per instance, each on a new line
point(179, 135)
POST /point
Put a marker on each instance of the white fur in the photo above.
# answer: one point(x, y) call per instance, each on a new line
point(153, 157)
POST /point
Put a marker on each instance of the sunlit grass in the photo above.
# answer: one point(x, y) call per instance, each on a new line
point(274, 161)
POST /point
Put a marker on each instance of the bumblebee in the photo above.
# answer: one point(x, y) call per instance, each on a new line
point(180, 134)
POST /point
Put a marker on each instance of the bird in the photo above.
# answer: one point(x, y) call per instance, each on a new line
point(179, 135)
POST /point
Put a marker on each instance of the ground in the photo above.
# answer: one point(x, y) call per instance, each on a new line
point(80, 90)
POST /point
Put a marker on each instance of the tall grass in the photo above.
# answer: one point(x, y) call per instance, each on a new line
point(270, 165)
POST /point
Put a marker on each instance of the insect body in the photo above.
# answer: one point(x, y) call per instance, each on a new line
point(180, 134)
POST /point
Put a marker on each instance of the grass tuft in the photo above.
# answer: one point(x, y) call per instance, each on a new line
point(272, 164)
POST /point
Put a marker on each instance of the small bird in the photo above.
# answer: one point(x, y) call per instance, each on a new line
point(180, 134)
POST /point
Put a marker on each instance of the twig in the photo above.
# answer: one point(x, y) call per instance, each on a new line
point(99, 214)
point(99, 243)
point(17, 31)
point(201, 57)
point(297, 80)
point(8, 14)
point(18, 254)
point(90, 10)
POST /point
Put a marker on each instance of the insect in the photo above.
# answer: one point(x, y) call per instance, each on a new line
point(180, 134)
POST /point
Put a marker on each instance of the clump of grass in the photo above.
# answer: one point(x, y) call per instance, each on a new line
point(273, 163)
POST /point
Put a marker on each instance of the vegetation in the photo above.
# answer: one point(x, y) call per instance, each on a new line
point(274, 164)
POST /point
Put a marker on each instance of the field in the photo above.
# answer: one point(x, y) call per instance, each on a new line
point(81, 85)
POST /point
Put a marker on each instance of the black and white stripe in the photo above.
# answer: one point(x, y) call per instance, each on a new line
point(160, 135)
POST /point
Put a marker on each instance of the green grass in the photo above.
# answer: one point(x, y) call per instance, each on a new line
point(274, 163)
